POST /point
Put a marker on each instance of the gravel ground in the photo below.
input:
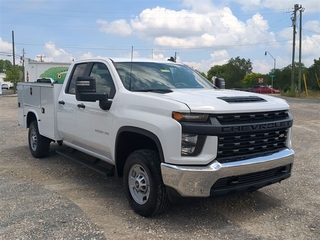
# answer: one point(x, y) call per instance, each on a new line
point(55, 198)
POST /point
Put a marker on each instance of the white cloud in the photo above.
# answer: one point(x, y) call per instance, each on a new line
point(159, 56)
point(117, 27)
point(5, 46)
point(222, 54)
point(188, 28)
point(309, 44)
point(313, 26)
point(6, 51)
point(87, 55)
point(205, 6)
point(163, 22)
point(216, 58)
point(53, 54)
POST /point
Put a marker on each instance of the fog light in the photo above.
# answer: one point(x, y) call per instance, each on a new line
point(188, 144)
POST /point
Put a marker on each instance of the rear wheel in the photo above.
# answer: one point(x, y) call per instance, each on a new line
point(143, 184)
point(39, 145)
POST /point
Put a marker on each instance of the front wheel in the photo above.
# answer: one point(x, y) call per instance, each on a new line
point(39, 145)
point(143, 184)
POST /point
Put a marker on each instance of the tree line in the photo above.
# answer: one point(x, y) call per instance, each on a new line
point(237, 73)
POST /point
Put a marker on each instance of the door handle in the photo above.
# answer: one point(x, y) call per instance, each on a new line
point(81, 105)
point(61, 102)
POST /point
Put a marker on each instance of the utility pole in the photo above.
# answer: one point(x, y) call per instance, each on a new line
point(22, 63)
point(294, 23)
point(300, 43)
point(41, 57)
point(22, 57)
point(13, 51)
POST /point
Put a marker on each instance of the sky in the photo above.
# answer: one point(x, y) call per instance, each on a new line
point(200, 33)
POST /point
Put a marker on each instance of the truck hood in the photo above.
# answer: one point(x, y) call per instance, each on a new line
point(225, 101)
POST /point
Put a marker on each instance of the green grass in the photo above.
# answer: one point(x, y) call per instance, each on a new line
point(311, 94)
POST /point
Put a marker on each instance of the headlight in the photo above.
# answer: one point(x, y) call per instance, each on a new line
point(192, 144)
point(190, 117)
point(188, 144)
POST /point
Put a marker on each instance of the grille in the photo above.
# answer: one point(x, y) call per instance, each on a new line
point(239, 147)
point(242, 145)
point(252, 117)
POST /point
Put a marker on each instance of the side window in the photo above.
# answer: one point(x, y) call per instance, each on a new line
point(77, 72)
point(104, 82)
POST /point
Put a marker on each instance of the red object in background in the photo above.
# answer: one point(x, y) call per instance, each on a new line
point(265, 89)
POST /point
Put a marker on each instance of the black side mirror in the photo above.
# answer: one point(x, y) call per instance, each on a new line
point(220, 83)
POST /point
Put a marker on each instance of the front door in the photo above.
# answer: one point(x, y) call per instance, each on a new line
point(94, 125)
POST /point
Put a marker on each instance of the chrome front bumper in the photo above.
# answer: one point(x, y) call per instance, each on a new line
point(196, 181)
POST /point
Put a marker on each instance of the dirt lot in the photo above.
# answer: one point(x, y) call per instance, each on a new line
point(55, 198)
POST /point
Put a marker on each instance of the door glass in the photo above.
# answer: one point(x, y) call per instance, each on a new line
point(78, 72)
point(104, 82)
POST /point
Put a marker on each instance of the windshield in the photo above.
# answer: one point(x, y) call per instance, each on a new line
point(148, 76)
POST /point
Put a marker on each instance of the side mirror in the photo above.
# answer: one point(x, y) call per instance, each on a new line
point(220, 83)
point(86, 90)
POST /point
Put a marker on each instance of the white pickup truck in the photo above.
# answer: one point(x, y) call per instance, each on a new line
point(163, 128)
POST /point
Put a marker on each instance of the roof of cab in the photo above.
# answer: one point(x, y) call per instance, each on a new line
point(129, 60)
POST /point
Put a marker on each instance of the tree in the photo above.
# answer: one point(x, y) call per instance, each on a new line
point(233, 72)
point(13, 75)
point(203, 74)
point(251, 79)
point(244, 65)
point(313, 75)
point(4, 65)
point(216, 71)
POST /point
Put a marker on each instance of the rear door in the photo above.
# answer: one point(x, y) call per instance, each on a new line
point(67, 107)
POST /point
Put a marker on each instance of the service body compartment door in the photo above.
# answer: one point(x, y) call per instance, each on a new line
point(49, 100)
point(31, 95)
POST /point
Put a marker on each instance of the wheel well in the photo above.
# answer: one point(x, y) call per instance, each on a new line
point(130, 141)
point(30, 118)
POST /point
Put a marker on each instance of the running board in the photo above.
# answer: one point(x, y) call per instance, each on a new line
point(88, 161)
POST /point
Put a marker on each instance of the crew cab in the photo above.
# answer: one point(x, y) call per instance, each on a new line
point(162, 127)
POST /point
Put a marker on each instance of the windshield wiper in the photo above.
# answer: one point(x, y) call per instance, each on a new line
point(160, 90)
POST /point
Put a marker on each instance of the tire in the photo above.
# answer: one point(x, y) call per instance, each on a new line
point(39, 145)
point(143, 184)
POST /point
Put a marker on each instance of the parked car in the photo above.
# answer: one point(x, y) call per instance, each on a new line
point(265, 89)
point(276, 90)
point(5, 86)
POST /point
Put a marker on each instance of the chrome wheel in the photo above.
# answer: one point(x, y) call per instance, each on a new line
point(39, 145)
point(143, 184)
point(33, 139)
point(139, 184)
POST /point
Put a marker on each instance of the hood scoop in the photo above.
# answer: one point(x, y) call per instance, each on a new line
point(242, 99)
